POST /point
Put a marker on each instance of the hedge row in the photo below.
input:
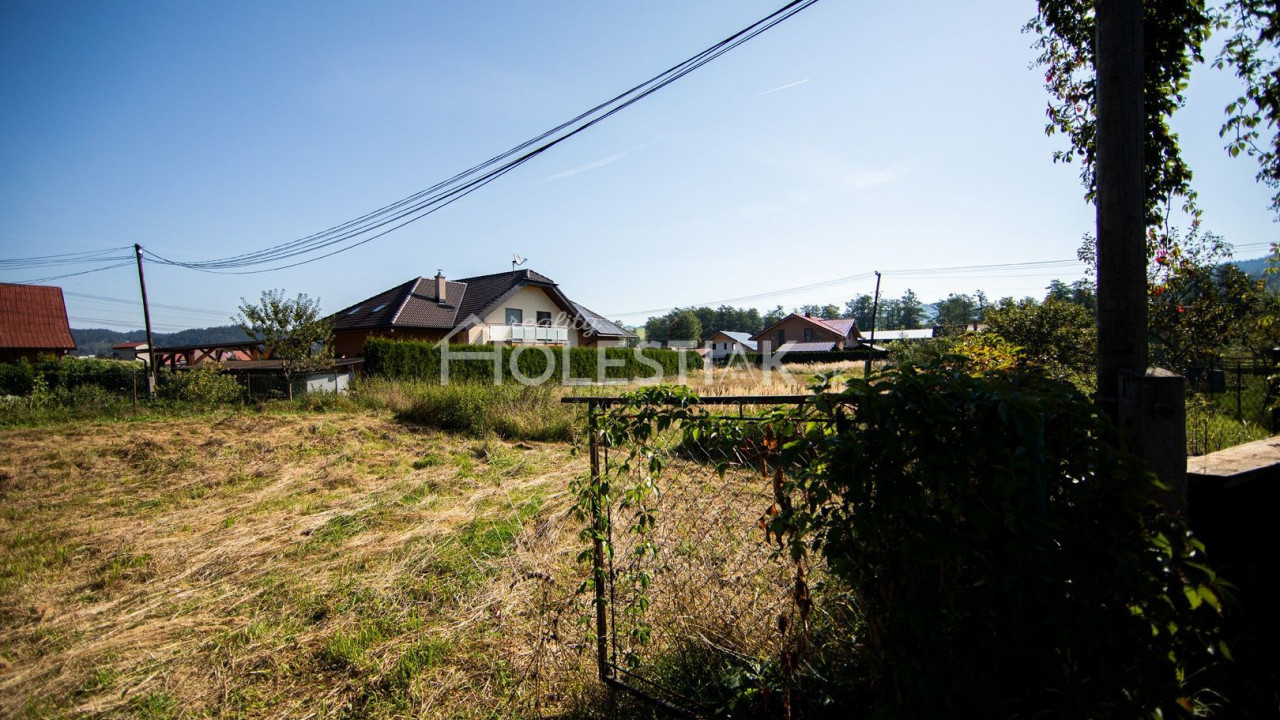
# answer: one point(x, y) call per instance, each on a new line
point(419, 360)
point(69, 373)
point(825, 356)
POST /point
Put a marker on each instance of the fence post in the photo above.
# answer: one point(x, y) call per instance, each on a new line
point(598, 571)
point(1239, 382)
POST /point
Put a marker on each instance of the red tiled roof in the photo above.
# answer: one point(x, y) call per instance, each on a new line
point(34, 317)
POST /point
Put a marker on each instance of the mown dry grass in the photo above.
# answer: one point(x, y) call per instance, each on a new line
point(340, 565)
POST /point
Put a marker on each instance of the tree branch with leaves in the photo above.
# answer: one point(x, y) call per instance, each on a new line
point(291, 330)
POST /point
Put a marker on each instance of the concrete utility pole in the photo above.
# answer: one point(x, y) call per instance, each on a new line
point(1148, 405)
point(1121, 197)
point(146, 316)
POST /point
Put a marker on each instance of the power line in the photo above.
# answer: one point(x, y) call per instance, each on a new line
point(138, 304)
point(74, 274)
point(994, 269)
point(78, 258)
point(375, 224)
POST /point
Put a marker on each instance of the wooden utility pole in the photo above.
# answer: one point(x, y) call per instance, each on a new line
point(1121, 197)
point(146, 316)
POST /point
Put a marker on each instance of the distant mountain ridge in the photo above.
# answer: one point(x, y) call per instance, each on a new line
point(99, 341)
point(1255, 269)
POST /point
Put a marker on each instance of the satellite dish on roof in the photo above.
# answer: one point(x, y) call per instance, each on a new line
point(517, 260)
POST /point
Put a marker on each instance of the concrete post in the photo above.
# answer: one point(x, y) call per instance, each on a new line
point(1153, 426)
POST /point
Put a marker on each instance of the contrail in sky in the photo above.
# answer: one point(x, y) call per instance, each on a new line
point(784, 87)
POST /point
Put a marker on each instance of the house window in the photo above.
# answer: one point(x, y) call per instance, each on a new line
point(779, 337)
point(515, 316)
point(808, 335)
point(544, 318)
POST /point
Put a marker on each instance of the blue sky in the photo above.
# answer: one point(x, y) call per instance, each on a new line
point(855, 137)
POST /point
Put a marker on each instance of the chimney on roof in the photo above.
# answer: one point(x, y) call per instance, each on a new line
point(440, 288)
point(808, 314)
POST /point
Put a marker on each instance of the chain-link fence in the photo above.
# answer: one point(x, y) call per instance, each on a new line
point(1231, 402)
point(692, 595)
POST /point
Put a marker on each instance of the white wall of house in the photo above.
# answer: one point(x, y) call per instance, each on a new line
point(529, 301)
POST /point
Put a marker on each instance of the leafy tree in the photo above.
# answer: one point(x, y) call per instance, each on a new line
point(829, 312)
point(1057, 335)
point(1081, 292)
point(1173, 32)
point(1199, 305)
point(1252, 52)
point(772, 317)
point(291, 331)
point(910, 311)
point(711, 320)
point(658, 329)
point(859, 309)
point(684, 325)
point(956, 310)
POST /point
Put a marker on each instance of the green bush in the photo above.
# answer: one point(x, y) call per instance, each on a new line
point(201, 385)
point(17, 379)
point(1005, 560)
point(825, 356)
point(418, 360)
point(114, 376)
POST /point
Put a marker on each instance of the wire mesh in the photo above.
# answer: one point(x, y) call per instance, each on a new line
point(703, 590)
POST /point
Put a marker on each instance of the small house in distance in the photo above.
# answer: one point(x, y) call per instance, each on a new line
point(130, 351)
point(725, 343)
point(810, 334)
point(517, 307)
point(33, 323)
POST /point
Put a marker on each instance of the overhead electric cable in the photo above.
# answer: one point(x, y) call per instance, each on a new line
point(138, 304)
point(91, 256)
point(74, 274)
point(377, 223)
point(901, 273)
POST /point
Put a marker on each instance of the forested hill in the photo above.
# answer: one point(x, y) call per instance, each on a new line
point(97, 341)
point(1255, 268)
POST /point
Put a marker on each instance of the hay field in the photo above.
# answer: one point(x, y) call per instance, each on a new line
point(277, 565)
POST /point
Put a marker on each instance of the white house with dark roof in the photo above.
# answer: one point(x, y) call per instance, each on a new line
point(517, 307)
point(724, 343)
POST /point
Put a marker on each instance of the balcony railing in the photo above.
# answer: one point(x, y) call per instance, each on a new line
point(547, 334)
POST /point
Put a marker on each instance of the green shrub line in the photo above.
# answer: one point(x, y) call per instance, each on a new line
point(420, 360)
point(798, 358)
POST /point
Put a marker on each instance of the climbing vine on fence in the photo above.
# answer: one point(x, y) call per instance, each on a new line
point(978, 522)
